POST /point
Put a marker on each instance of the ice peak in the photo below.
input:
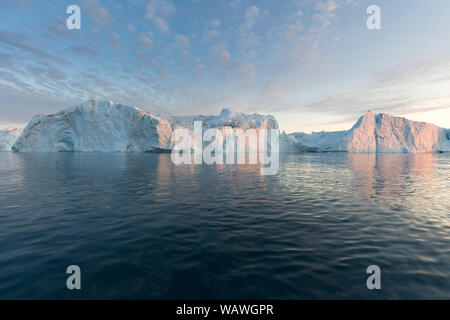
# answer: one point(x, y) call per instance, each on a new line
point(94, 102)
point(370, 114)
point(91, 101)
point(227, 112)
point(364, 120)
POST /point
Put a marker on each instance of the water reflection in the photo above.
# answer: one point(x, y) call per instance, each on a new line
point(399, 179)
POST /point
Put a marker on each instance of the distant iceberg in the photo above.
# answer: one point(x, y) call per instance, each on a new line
point(380, 133)
point(228, 118)
point(8, 137)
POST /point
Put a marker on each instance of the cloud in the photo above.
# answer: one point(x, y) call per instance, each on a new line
point(84, 50)
point(234, 3)
point(212, 29)
point(251, 15)
point(20, 41)
point(131, 28)
point(405, 89)
point(220, 51)
point(23, 105)
point(115, 41)
point(159, 7)
point(248, 38)
point(99, 14)
point(296, 41)
point(291, 28)
point(6, 59)
point(247, 70)
point(162, 24)
point(48, 71)
point(215, 23)
point(17, 4)
point(145, 41)
point(182, 41)
point(198, 64)
point(327, 6)
point(57, 28)
point(158, 11)
point(325, 15)
point(234, 54)
point(9, 79)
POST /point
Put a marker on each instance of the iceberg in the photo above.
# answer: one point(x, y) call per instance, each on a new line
point(96, 126)
point(8, 137)
point(380, 133)
point(230, 119)
point(227, 118)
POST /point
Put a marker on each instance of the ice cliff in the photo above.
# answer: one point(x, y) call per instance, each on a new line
point(96, 126)
point(8, 137)
point(380, 133)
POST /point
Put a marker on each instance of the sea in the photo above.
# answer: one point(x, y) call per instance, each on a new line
point(140, 227)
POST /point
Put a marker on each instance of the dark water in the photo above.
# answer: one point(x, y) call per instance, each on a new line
point(141, 227)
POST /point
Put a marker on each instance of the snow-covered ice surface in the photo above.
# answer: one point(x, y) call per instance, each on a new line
point(96, 126)
point(227, 118)
point(380, 133)
point(8, 137)
point(230, 119)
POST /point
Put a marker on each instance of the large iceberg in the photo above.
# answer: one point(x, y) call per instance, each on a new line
point(230, 119)
point(380, 133)
point(8, 137)
point(96, 126)
point(112, 127)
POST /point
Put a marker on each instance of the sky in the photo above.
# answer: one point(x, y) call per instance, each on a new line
point(314, 65)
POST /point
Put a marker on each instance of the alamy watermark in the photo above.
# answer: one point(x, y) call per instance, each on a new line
point(227, 145)
point(74, 280)
point(374, 20)
point(374, 281)
point(74, 20)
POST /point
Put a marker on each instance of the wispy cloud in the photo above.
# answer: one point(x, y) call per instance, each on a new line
point(145, 40)
point(19, 41)
point(158, 11)
point(293, 57)
point(96, 11)
point(212, 29)
point(406, 89)
point(84, 50)
point(220, 51)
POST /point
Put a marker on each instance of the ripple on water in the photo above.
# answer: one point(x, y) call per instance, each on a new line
point(140, 227)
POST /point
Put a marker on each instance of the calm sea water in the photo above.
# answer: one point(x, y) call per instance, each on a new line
point(140, 227)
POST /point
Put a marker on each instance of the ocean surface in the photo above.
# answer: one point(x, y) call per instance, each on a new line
point(140, 227)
